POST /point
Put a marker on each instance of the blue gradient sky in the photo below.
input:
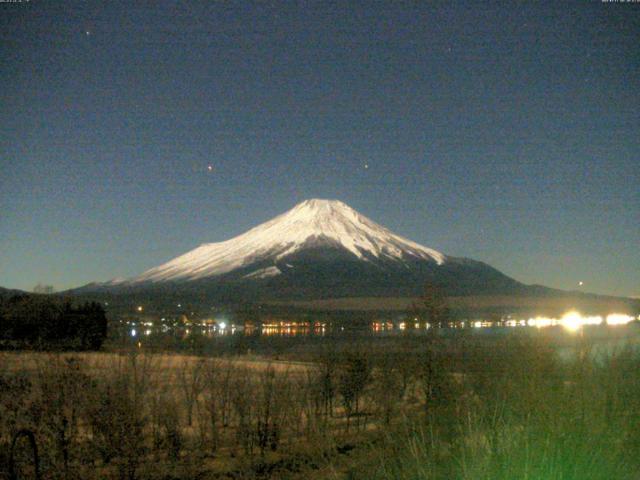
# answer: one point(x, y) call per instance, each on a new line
point(509, 134)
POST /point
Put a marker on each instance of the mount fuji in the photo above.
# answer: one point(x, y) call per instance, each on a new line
point(309, 225)
point(318, 249)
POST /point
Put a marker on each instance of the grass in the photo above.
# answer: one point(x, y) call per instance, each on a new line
point(527, 419)
point(428, 408)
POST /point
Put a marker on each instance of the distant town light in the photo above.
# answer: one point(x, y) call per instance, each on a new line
point(593, 320)
point(571, 321)
point(618, 319)
point(538, 322)
point(139, 308)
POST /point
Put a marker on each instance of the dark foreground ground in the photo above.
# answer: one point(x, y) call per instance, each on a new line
point(468, 407)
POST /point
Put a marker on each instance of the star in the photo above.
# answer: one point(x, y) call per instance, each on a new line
point(366, 166)
point(210, 168)
point(581, 283)
point(87, 32)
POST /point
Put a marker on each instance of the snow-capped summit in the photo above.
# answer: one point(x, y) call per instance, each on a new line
point(312, 223)
point(318, 250)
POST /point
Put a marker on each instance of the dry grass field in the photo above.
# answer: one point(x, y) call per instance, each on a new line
point(411, 407)
point(165, 363)
point(137, 415)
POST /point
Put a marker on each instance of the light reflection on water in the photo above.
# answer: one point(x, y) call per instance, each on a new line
point(291, 329)
point(571, 321)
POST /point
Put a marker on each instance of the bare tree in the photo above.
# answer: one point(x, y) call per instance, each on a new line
point(117, 413)
point(355, 374)
point(436, 380)
point(273, 403)
point(61, 383)
point(243, 402)
point(46, 289)
point(191, 379)
point(432, 307)
point(166, 431)
point(216, 401)
point(388, 388)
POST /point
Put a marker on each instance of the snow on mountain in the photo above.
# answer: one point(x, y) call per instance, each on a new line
point(264, 272)
point(311, 223)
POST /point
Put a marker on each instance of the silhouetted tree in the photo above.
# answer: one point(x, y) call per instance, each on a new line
point(432, 307)
point(36, 320)
point(46, 289)
point(354, 377)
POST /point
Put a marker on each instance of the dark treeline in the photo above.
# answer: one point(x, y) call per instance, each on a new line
point(38, 321)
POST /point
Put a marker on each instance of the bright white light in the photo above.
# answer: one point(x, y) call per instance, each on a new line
point(139, 308)
point(223, 325)
point(133, 332)
point(618, 319)
point(147, 332)
point(595, 320)
point(572, 321)
point(540, 322)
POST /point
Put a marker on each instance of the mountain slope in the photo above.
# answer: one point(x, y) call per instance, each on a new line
point(10, 292)
point(310, 224)
point(318, 249)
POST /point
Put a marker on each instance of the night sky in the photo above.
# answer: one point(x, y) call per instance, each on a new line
point(508, 134)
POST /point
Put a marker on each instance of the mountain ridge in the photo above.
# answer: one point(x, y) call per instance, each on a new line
point(318, 249)
point(324, 251)
point(314, 222)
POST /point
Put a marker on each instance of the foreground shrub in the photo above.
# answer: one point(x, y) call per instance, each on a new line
point(522, 415)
